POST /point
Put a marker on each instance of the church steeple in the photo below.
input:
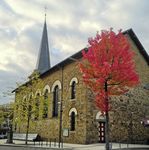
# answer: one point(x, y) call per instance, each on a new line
point(43, 62)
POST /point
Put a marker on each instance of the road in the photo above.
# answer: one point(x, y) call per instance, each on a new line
point(17, 147)
point(14, 147)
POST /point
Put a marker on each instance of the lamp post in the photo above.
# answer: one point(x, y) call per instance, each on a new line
point(28, 122)
point(61, 101)
point(9, 133)
point(61, 111)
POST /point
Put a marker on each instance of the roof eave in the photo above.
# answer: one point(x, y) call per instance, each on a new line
point(140, 47)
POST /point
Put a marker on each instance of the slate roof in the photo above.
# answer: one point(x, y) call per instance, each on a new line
point(78, 55)
point(43, 62)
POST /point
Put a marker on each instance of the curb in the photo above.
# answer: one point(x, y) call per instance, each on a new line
point(30, 147)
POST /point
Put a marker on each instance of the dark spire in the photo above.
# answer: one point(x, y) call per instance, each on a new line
point(43, 62)
point(45, 12)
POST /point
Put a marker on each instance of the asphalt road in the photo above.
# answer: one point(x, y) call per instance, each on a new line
point(7, 147)
point(133, 149)
point(14, 147)
point(17, 148)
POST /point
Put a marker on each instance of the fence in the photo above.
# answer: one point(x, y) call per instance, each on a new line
point(49, 143)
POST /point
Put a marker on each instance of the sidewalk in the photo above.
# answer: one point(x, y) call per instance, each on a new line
point(97, 146)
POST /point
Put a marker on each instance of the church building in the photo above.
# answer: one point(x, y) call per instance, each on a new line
point(65, 108)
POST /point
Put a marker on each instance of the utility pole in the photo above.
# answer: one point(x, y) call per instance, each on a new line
point(61, 110)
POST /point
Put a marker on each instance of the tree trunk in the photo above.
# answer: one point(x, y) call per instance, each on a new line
point(107, 117)
point(107, 131)
point(27, 128)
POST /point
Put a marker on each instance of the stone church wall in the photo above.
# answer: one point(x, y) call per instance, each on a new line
point(49, 128)
point(127, 111)
point(125, 117)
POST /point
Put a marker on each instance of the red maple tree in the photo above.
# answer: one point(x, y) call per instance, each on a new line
point(108, 67)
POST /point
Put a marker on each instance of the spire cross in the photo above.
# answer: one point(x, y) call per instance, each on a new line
point(45, 11)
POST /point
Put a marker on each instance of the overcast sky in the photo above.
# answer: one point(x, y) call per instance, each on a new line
point(69, 22)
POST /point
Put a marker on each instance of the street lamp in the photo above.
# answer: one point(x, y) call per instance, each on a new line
point(61, 111)
point(61, 101)
point(9, 133)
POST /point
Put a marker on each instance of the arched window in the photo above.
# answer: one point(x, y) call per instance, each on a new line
point(37, 104)
point(73, 83)
point(55, 101)
point(45, 105)
point(72, 121)
point(24, 106)
point(30, 105)
point(73, 90)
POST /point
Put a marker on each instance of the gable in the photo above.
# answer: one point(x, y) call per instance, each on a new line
point(138, 44)
point(78, 55)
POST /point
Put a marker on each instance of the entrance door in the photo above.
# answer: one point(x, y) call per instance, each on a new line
point(101, 132)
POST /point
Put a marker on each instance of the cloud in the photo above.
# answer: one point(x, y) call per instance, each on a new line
point(70, 23)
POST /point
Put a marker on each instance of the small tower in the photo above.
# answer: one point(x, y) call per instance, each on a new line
point(43, 62)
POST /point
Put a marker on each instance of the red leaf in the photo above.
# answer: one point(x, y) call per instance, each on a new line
point(109, 60)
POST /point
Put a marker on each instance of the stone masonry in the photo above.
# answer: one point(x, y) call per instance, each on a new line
point(126, 113)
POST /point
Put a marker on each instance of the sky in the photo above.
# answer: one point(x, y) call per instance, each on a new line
point(70, 23)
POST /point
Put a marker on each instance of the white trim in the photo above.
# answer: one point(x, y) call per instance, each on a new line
point(100, 116)
point(31, 94)
point(47, 87)
point(38, 92)
point(57, 82)
point(73, 79)
point(73, 110)
point(25, 97)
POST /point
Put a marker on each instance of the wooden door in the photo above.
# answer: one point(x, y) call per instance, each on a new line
point(101, 132)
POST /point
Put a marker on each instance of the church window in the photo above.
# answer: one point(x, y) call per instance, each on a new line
point(73, 90)
point(73, 84)
point(72, 114)
point(24, 104)
point(30, 106)
point(72, 121)
point(55, 101)
point(37, 104)
point(45, 105)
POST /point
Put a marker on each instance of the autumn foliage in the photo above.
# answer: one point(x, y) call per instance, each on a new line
point(108, 66)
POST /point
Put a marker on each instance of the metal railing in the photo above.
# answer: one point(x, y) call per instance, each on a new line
point(52, 142)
